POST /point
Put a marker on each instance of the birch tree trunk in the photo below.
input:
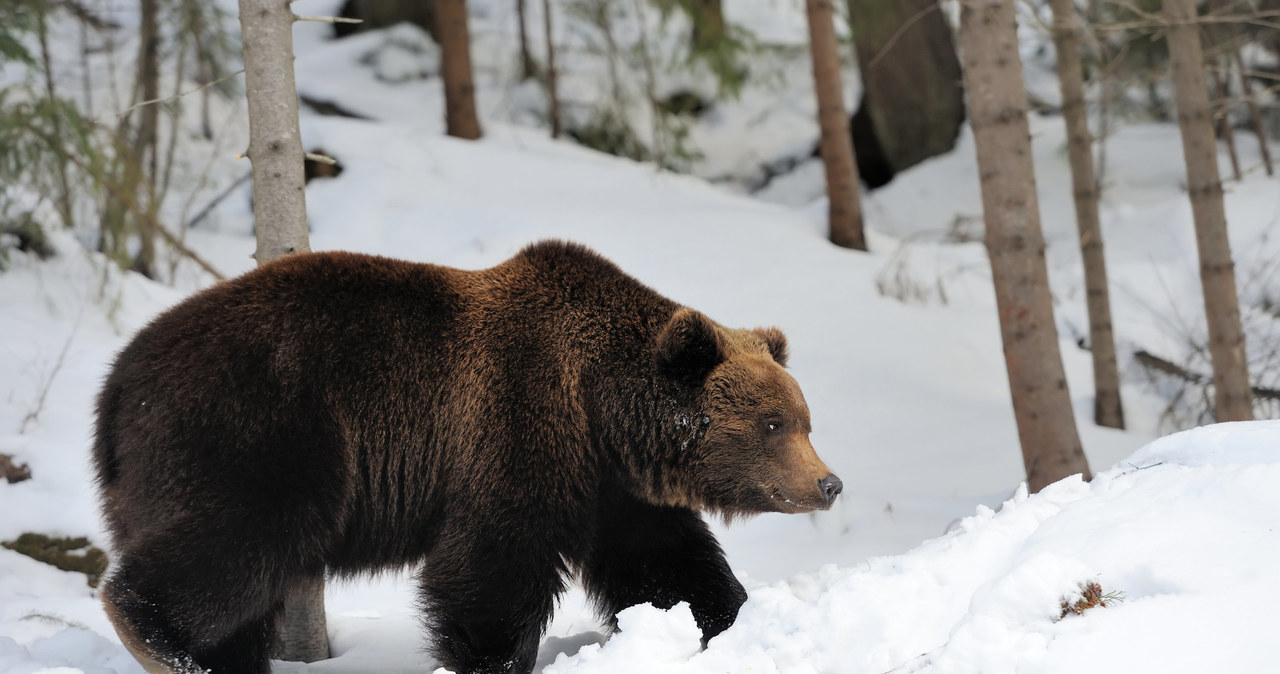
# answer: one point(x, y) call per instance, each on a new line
point(1107, 410)
point(455, 70)
point(1233, 399)
point(280, 221)
point(844, 212)
point(998, 113)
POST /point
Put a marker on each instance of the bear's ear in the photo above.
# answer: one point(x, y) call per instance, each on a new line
point(777, 343)
point(689, 344)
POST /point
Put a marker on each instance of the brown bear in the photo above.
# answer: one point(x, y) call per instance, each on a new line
point(501, 430)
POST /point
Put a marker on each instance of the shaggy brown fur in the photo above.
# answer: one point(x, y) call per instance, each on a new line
point(499, 429)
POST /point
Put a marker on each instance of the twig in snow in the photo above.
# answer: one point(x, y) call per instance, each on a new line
point(34, 414)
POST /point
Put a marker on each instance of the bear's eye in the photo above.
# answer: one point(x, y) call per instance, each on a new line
point(773, 426)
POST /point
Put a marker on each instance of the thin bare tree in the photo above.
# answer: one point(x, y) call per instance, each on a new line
point(527, 67)
point(844, 210)
point(280, 221)
point(455, 69)
point(1233, 398)
point(998, 114)
point(1107, 410)
point(553, 94)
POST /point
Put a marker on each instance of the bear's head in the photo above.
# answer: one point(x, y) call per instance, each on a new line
point(743, 431)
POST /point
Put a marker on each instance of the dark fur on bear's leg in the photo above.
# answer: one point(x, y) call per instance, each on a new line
point(246, 651)
point(486, 609)
point(174, 622)
point(661, 555)
point(142, 627)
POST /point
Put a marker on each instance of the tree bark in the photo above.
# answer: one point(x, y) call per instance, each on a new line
point(1107, 410)
point(455, 70)
point(280, 222)
point(553, 94)
point(844, 211)
point(144, 141)
point(275, 145)
point(1233, 399)
point(1223, 87)
point(527, 68)
point(998, 113)
point(301, 635)
point(1255, 116)
point(912, 104)
point(707, 17)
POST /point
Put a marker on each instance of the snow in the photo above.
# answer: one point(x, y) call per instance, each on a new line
point(1184, 529)
point(933, 559)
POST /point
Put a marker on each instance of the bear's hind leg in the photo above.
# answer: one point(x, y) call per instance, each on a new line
point(246, 651)
point(144, 630)
point(661, 555)
point(177, 618)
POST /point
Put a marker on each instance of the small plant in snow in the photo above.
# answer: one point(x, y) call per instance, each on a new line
point(1091, 595)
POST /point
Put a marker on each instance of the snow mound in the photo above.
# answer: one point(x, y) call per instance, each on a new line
point(1184, 532)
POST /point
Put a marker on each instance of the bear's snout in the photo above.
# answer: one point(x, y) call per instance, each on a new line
point(830, 486)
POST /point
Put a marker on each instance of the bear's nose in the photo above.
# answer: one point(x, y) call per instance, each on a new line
point(830, 486)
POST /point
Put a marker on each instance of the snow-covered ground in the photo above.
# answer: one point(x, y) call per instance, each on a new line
point(932, 560)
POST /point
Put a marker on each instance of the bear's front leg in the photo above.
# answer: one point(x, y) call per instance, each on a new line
point(661, 555)
point(487, 604)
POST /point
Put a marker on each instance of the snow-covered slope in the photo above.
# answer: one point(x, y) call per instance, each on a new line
point(1180, 537)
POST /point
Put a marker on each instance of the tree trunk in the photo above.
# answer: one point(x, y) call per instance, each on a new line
point(1107, 410)
point(280, 222)
point(275, 145)
point(844, 212)
point(707, 17)
point(455, 69)
point(998, 113)
point(65, 209)
point(1233, 397)
point(300, 632)
point(144, 141)
point(912, 104)
point(1255, 116)
point(527, 68)
point(1223, 87)
point(553, 95)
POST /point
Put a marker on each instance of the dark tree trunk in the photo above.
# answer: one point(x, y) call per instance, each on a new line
point(912, 104)
point(1233, 397)
point(1107, 410)
point(140, 174)
point(527, 68)
point(455, 70)
point(844, 210)
point(998, 113)
point(553, 94)
point(707, 17)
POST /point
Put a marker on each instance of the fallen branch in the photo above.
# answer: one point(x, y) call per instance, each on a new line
point(208, 208)
point(1153, 362)
point(34, 414)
